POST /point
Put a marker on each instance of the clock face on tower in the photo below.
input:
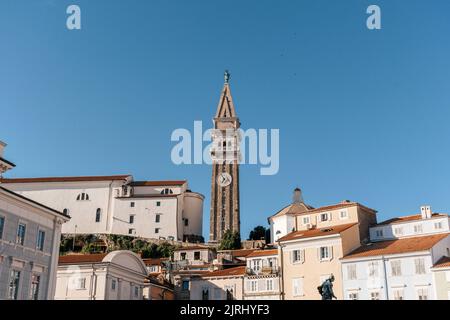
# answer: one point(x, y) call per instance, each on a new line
point(224, 179)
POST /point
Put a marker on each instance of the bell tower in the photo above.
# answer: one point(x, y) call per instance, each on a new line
point(225, 155)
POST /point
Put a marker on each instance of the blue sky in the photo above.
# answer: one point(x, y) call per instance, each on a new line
point(363, 115)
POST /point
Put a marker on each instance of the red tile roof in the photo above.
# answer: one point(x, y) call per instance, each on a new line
point(301, 208)
point(65, 179)
point(82, 258)
point(397, 246)
point(444, 262)
point(410, 218)
point(319, 232)
point(240, 253)
point(231, 272)
point(263, 253)
point(158, 183)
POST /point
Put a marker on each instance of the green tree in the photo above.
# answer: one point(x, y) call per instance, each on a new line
point(258, 233)
point(230, 241)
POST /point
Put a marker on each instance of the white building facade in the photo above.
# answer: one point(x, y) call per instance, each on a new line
point(398, 262)
point(262, 279)
point(119, 275)
point(30, 234)
point(119, 205)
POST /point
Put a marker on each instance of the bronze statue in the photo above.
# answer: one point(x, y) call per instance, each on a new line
point(326, 289)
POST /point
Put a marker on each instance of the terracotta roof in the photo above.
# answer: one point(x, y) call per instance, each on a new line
point(7, 162)
point(82, 258)
point(301, 208)
point(397, 246)
point(240, 253)
point(444, 262)
point(34, 202)
point(65, 179)
point(263, 253)
point(158, 183)
point(192, 248)
point(319, 232)
point(231, 272)
point(410, 218)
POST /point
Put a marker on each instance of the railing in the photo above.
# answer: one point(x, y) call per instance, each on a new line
point(262, 271)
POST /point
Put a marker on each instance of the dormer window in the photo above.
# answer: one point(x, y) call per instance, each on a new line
point(83, 197)
point(167, 191)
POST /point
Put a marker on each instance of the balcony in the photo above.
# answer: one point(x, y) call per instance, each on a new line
point(263, 271)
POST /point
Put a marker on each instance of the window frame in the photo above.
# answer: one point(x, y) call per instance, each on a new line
point(40, 246)
point(352, 272)
point(22, 242)
point(329, 251)
point(2, 225)
point(396, 271)
point(346, 217)
point(14, 283)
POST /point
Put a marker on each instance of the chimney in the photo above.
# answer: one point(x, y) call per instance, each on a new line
point(2, 147)
point(298, 197)
point(425, 212)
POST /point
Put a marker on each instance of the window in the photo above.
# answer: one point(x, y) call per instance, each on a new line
point(2, 225)
point(157, 230)
point(253, 285)
point(158, 218)
point(81, 284)
point(35, 282)
point(256, 264)
point(298, 256)
point(297, 287)
point(324, 217)
point(197, 255)
point(398, 294)
point(185, 285)
point(438, 225)
point(205, 294)
point(183, 256)
point(113, 285)
point(398, 231)
point(230, 295)
point(158, 203)
point(306, 220)
point(131, 231)
point(373, 269)
point(131, 218)
point(396, 268)
point(375, 295)
point(132, 204)
point(353, 295)
point(343, 214)
point(418, 228)
point(186, 222)
point(351, 272)
point(83, 197)
point(422, 294)
point(420, 265)
point(269, 285)
point(167, 191)
point(98, 215)
point(136, 292)
point(379, 233)
point(66, 211)
point(13, 288)
point(40, 241)
point(325, 253)
point(21, 234)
